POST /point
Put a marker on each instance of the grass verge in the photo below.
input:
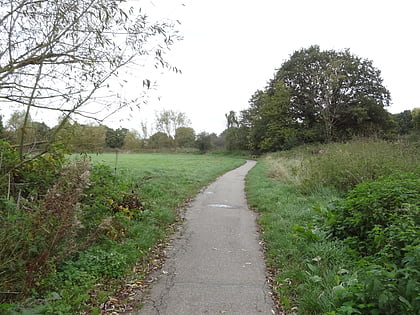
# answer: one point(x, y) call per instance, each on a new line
point(305, 269)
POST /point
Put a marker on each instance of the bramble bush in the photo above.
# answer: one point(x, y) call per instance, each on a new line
point(380, 217)
point(379, 220)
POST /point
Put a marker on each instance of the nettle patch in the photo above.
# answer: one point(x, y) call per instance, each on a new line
point(380, 222)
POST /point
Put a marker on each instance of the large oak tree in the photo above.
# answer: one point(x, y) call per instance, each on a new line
point(341, 91)
point(318, 96)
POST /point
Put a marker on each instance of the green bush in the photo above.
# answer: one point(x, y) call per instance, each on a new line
point(27, 208)
point(31, 177)
point(380, 217)
point(378, 289)
point(379, 221)
point(36, 236)
point(14, 246)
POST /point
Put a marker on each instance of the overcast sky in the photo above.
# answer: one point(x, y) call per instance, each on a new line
point(232, 48)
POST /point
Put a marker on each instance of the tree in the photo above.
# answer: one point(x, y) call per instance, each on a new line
point(145, 130)
point(160, 140)
point(235, 135)
point(184, 137)
point(36, 133)
point(89, 138)
point(232, 121)
point(132, 141)
point(404, 121)
point(1, 127)
point(115, 138)
point(416, 119)
point(203, 142)
point(57, 55)
point(271, 125)
point(168, 121)
point(236, 138)
point(219, 141)
point(334, 91)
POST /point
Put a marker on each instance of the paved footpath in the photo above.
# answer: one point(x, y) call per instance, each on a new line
point(216, 265)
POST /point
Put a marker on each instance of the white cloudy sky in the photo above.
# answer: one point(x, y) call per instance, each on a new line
point(231, 48)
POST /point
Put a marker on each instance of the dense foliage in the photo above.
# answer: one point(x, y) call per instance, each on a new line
point(317, 96)
point(380, 222)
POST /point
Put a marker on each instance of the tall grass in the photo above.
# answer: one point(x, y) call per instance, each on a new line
point(343, 166)
point(292, 191)
point(305, 268)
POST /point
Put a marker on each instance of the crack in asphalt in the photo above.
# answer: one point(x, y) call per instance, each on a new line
point(179, 245)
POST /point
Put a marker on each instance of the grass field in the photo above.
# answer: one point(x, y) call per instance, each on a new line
point(198, 168)
point(129, 208)
point(169, 179)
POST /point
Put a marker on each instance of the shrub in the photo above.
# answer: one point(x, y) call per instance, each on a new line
point(380, 217)
point(36, 235)
point(14, 246)
point(56, 224)
point(107, 190)
point(29, 178)
point(378, 289)
point(380, 222)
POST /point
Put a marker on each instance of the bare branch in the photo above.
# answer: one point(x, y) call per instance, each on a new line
point(57, 55)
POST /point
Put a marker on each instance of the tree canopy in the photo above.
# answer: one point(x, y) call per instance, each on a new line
point(115, 138)
point(317, 96)
point(185, 137)
point(337, 90)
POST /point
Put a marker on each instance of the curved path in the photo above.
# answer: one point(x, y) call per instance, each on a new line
point(216, 266)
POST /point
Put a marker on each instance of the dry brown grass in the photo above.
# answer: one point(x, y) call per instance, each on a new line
point(282, 169)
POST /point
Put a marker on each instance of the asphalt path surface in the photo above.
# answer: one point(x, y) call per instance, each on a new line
point(215, 265)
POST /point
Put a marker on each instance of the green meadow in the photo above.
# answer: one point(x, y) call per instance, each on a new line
point(130, 205)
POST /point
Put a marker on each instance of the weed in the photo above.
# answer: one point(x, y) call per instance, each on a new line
point(380, 217)
point(343, 166)
point(380, 221)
